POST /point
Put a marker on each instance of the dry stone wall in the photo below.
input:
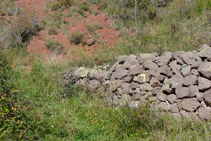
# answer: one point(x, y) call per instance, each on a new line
point(179, 82)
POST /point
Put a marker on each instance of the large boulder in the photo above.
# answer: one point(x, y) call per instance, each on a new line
point(134, 70)
point(205, 113)
point(204, 84)
point(190, 104)
point(94, 84)
point(115, 84)
point(182, 92)
point(207, 97)
point(205, 52)
point(205, 69)
point(120, 73)
point(189, 80)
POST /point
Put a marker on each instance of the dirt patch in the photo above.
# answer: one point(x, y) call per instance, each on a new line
point(106, 36)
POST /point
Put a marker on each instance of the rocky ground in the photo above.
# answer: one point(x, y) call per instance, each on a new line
point(179, 82)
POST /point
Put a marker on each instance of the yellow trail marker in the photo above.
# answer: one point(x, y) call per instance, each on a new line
point(143, 75)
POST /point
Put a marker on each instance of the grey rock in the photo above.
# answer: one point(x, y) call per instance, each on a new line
point(165, 70)
point(148, 64)
point(195, 72)
point(174, 108)
point(164, 59)
point(166, 86)
point(134, 70)
point(205, 113)
point(171, 98)
point(182, 92)
point(140, 78)
point(199, 96)
point(130, 61)
point(155, 90)
point(186, 70)
point(193, 90)
point(164, 106)
point(176, 81)
point(125, 87)
point(128, 79)
point(194, 64)
point(145, 87)
point(205, 69)
point(155, 82)
point(115, 84)
point(94, 84)
point(205, 52)
point(190, 104)
point(207, 97)
point(140, 59)
point(161, 97)
point(136, 97)
point(175, 67)
point(122, 59)
point(204, 84)
point(189, 80)
point(120, 73)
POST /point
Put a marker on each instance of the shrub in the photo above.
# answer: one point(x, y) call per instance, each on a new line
point(54, 46)
point(22, 28)
point(61, 4)
point(76, 38)
point(94, 27)
point(85, 6)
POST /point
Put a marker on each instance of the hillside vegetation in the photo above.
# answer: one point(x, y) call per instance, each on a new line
point(32, 106)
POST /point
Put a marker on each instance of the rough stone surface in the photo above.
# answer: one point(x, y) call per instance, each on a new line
point(207, 97)
point(182, 92)
point(115, 84)
point(205, 52)
point(171, 98)
point(186, 70)
point(205, 113)
point(193, 90)
point(134, 70)
point(189, 80)
point(161, 97)
point(205, 69)
point(204, 84)
point(94, 84)
point(190, 104)
point(174, 108)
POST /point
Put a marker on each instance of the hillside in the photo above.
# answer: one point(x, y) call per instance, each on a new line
point(105, 70)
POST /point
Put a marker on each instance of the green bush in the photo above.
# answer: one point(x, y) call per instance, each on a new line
point(93, 27)
point(54, 46)
point(76, 38)
point(59, 4)
point(85, 6)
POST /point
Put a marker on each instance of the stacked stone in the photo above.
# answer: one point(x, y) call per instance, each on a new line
point(179, 82)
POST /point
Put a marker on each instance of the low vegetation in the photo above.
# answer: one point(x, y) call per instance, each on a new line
point(93, 27)
point(76, 38)
point(54, 46)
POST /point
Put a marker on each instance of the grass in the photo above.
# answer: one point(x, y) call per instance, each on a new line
point(54, 46)
point(76, 38)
